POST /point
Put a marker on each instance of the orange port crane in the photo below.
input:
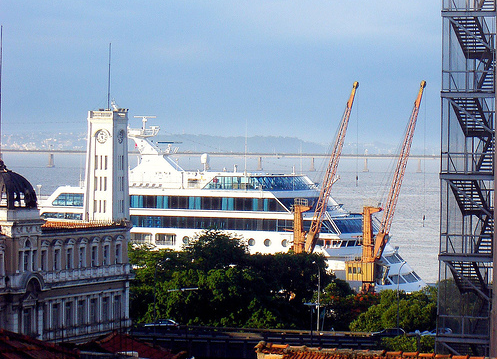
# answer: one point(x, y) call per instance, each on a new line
point(301, 240)
point(366, 269)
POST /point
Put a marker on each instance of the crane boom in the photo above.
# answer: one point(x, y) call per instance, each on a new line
point(400, 170)
point(321, 204)
point(367, 268)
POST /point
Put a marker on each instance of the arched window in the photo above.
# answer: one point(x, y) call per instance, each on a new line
point(106, 251)
point(56, 255)
point(69, 253)
point(95, 243)
point(118, 255)
point(83, 242)
point(44, 255)
point(27, 255)
point(2, 259)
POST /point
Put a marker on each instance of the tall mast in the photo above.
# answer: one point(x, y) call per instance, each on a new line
point(108, 81)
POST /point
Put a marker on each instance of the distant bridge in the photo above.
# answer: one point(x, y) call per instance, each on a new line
point(234, 154)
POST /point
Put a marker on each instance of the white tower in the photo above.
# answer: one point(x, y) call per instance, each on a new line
point(106, 179)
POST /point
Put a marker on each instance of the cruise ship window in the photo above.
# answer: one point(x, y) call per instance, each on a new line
point(349, 225)
point(395, 279)
point(162, 202)
point(228, 204)
point(167, 239)
point(194, 202)
point(251, 242)
point(141, 237)
point(267, 242)
point(69, 199)
point(393, 259)
point(409, 277)
point(215, 203)
point(284, 243)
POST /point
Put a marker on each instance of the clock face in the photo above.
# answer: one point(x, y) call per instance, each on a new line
point(102, 136)
point(120, 136)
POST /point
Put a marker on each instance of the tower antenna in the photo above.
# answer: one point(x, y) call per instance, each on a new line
point(108, 80)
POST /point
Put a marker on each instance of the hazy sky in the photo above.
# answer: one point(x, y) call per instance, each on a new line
point(281, 68)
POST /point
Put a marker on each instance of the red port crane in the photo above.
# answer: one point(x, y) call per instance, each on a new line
point(366, 269)
point(301, 240)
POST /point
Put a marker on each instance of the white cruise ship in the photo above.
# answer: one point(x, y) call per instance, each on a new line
point(169, 206)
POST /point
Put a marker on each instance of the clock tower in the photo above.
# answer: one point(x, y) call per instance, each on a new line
point(106, 178)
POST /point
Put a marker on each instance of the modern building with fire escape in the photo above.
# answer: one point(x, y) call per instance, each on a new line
point(467, 177)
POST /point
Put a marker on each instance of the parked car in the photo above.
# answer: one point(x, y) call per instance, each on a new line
point(163, 323)
point(440, 331)
point(389, 332)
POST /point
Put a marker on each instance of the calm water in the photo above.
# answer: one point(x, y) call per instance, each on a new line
point(418, 239)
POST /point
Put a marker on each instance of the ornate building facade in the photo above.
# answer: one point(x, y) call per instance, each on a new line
point(69, 280)
point(59, 280)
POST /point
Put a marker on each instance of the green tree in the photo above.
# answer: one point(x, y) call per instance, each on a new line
point(216, 249)
point(416, 311)
point(343, 305)
point(232, 288)
point(424, 344)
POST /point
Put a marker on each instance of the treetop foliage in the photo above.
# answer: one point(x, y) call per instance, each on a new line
point(214, 281)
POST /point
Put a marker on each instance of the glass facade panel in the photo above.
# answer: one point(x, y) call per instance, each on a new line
point(349, 225)
point(69, 199)
point(206, 203)
point(250, 224)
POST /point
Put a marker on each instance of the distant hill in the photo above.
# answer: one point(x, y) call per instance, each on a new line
point(204, 143)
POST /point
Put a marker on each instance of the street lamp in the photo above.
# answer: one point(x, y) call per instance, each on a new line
point(187, 343)
point(318, 304)
point(155, 287)
point(398, 297)
point(310, 305)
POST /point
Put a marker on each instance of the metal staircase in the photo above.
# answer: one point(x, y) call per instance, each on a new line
point(467, 182)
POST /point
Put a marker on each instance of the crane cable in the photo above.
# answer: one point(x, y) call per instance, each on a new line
point(424, 162)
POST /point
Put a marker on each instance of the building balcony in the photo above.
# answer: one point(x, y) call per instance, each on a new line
point(18, 281)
